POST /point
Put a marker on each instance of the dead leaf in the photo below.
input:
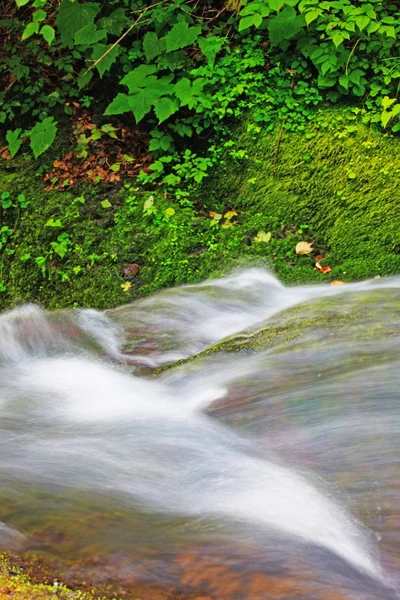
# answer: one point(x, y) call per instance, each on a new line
point(304, 248)
point(130, 269)
point(215, 216)
point(325, 270)
point(319, 257)
point(337, 282)
point(263, 237)
point(126, 286)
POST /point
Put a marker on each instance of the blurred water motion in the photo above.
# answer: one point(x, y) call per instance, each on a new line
point(268, 468)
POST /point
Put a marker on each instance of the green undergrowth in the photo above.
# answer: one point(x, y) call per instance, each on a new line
point(335, 185)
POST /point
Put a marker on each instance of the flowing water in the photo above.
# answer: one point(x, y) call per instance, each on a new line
point(266, 469)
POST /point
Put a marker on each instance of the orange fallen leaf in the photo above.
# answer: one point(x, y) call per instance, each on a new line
point(304, 248)
point(337, 282)
point(319, 257)
point(325, 270)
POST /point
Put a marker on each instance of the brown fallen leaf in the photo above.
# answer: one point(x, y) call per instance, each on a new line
point(319, 257)
point(304, 248)
point(325, 270)
point(337, 282)
point(130, 269)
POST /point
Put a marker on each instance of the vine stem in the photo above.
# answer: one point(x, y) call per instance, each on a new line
point(350, 55)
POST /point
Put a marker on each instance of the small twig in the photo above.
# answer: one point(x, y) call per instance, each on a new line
point(96, 62)
point(350, 55)
point(278, 141)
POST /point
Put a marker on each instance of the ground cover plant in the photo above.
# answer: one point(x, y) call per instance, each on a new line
point(118, 114)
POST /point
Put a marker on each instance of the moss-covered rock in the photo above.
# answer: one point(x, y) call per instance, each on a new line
point(14, 583)
point(340, 178)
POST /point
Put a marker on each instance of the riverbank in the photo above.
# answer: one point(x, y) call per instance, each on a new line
point(334, 186)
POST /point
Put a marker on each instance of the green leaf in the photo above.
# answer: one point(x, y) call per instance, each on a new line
point(311, 15)
point(169, 212)
point(285, 25)
point(119, 105)
point(337, 38)
point(110, 130)
point(115, 22)
point(43, 135)
point(249, 21)
point(344, 81)
point(29, 30)
point(84, 78)
point(53, 223)
point(181, 35)
point(20, 3)
point(108, 59)
point(106, 204)
point(210, 46)
point(72, 16)
point(362, 22)
point(355, 76)
point(387, 102)
point(89, 35)
point(390, 32)
point(48, 34)
point(276, 4)
point(135, 78)
point(153, 45)
point(141, 103)
point(14, 141)
point(189, 93)
point(164, 108)
point(39, 16)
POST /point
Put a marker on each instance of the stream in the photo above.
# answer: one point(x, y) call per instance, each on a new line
point(268, 468)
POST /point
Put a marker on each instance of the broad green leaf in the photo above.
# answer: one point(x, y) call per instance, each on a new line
point(43, 135)
point(29, 30)
point(311, 15)
point(169, 212)
point(362, 21)
point(14, 141)
point(153, 45)
point(48, 34)
point(84, 78)
point(141, 104)
point(390, 32)
point(210, 46)
point(53, 223)
point(189, 93)
point(115, 22)
point(344, 81)
point(385, 118)
point(355, 76)
point(134, 79)
point(181, 35)
point(337, 38)
point(249, 21)
point(276, 4)
point(119, 105)
point(89, 35)
point(106, 204)
point(39, 16)
point(108, 59)
point(285, 25)
point(20, 3)
point(72, 16)
point(164, 108)
point(387, 102)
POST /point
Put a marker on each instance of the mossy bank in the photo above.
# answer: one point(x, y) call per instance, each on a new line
point(335, 185)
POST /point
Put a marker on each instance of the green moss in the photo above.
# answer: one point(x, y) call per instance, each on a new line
point(340, 177)
point(336, 184)
point(15, 584)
